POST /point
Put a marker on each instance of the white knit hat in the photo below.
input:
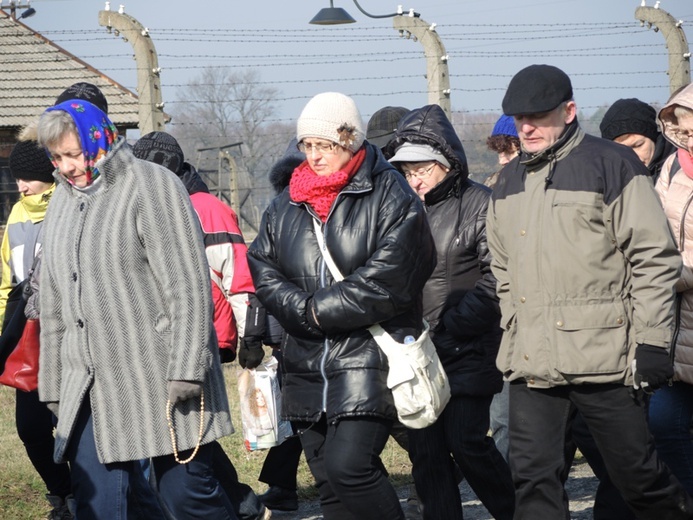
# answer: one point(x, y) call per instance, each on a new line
point(332, 116)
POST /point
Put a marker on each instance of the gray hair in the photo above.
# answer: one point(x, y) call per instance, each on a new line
point(53, 126)
point(681, 111)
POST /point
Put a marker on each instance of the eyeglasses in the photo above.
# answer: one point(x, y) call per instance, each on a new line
point(419, 173)
point(683, 137)
point(321, 148)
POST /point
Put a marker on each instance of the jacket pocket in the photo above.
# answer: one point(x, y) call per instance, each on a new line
point(591, 338)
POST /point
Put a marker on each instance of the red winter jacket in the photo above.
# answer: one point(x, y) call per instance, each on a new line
point(226, 253)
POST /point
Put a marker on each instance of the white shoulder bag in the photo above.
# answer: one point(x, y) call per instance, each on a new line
point(416, 377)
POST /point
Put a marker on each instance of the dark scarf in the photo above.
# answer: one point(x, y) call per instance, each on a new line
point(321, 191)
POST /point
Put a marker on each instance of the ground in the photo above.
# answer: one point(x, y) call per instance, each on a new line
point(581, 487)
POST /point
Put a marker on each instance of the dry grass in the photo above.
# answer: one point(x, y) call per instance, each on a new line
point(22, 491)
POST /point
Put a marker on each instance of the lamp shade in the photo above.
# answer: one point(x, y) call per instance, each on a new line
point(332, 16)
point(29, 12)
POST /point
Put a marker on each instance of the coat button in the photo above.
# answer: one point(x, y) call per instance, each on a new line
point(559, 324)
point(531, 381)
point(80, 324)
point(74, 277)
point(526, 357)
point(81, 206)
point(619, 321)
point(523, 299)
point(523, 233)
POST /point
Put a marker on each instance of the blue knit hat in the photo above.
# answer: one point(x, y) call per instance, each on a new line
point(505, 126)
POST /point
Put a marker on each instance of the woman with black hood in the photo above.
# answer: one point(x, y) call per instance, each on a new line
point(633, 123)
point(461, 306)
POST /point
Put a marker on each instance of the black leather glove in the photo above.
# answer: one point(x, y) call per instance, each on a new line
point(226, 355)
point(183, 390)
point(251, 353)
point(653, 367)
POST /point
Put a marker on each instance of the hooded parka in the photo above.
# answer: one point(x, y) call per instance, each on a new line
point(377, 233)
point(675, 190)
point(460, 301)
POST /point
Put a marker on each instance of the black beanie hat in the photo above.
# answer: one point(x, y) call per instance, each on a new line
point(85, 92)
point(629, 116)
point(30, 162)
point(536, 89)
point(160, 148)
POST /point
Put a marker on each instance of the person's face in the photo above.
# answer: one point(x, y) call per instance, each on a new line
point(27, 188)
point(505, 157)
point(684, 133)
point(325, 157)
point(68, 157)
point(424, 176)
point(540, 131)
point(643, 146)
point(260, 399)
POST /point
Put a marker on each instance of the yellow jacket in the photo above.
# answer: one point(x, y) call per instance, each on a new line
point(21, 240)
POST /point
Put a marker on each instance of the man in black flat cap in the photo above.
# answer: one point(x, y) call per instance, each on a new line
point(586, 268)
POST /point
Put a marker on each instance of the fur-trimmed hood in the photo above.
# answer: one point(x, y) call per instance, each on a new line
point(281, 171)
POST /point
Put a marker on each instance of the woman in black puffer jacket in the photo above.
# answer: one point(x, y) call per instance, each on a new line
point(461, 306)
point(334, 374)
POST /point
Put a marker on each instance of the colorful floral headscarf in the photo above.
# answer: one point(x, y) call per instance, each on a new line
point(96, 133)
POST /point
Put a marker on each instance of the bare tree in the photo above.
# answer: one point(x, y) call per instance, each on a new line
point(221, 107)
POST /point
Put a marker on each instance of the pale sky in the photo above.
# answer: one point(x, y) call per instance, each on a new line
point(597, 42)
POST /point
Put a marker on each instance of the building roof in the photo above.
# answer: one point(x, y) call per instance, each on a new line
point(34, 71)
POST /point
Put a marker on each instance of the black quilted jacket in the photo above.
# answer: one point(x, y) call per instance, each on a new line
point(460, 299)
point(379, 238)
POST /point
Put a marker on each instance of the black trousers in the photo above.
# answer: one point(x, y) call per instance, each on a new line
point(608, 502)
point(281, 464)
point(616, 417)
point(35, 429)
point(459, 438)
point(344, 458)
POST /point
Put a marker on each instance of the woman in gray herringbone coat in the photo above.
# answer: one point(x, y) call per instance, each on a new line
point(126, 317)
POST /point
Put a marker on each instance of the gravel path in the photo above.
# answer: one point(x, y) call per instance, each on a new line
point(581, 487)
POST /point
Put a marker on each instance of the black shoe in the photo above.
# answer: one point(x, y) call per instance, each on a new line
point(280, 498)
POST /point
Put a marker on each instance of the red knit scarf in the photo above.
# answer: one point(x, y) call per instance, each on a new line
point(321, 191)
point(686, 162)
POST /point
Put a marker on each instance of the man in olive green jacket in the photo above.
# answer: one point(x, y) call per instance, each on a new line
point(586, 268)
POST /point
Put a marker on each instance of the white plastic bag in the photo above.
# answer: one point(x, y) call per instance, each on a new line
point(261, 407)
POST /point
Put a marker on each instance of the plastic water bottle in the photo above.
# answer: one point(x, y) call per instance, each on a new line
point(409, 339)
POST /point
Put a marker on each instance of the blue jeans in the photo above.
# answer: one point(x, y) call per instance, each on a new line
point(344, 458)
point(102, 490)
point(459, 436)
point(246, 504)
point(616, 417)
point(499, 419)
point(671, 419)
